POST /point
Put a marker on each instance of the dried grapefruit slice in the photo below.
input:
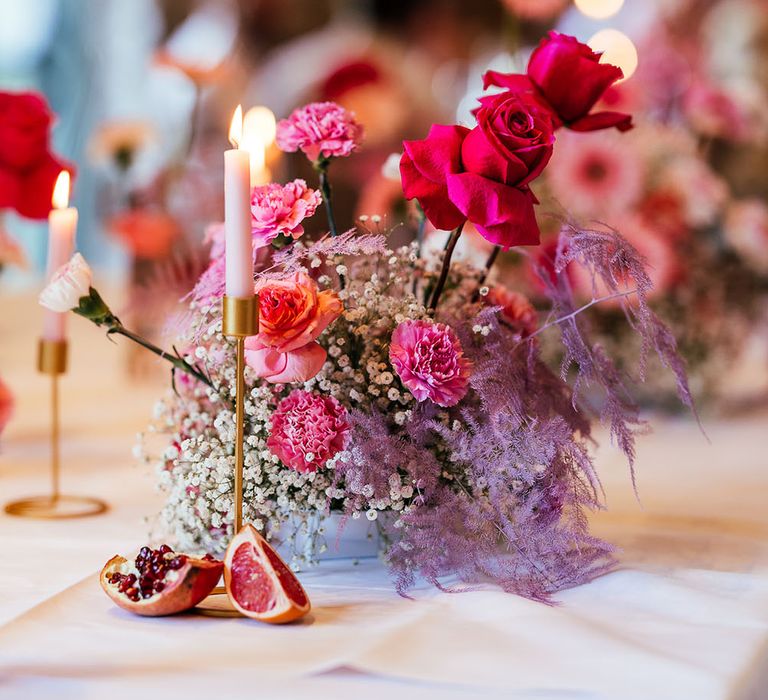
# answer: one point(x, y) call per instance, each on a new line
point(259, 583)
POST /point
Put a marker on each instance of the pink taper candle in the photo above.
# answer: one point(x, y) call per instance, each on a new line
point(62, 226)
point(237, 214)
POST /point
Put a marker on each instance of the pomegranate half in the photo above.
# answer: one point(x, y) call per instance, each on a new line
point(160, 581)
point(259, 583)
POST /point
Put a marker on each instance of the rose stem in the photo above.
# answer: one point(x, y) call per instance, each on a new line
point(484, 274)
point(449, 248)
point(419, 240)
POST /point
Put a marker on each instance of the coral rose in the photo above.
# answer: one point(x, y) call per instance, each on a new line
point(430, 361)
point(320, 129)
point(28, 170)
point(569, 79)
point(292, 314)
point(306, 430)
point(516, 310)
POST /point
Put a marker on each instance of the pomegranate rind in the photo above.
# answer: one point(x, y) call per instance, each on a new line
point(194, 583)
point(286, 608)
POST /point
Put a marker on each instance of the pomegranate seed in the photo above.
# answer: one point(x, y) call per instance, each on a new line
point(165, 549)
point(159, 586)
point(177, 562)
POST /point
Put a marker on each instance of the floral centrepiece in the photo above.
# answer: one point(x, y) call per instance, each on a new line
point(393, 381)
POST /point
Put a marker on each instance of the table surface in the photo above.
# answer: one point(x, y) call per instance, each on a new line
point(684, 616)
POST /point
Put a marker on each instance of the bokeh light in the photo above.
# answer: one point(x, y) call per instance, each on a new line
point(260, 121)
point(617, 48)
point(599, 9)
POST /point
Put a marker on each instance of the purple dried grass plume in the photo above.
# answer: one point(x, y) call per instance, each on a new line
point(505, 484)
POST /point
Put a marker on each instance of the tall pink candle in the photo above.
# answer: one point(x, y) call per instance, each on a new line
point(62, 227)
point(237, 214)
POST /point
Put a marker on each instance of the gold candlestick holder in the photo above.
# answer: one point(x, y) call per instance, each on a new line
point(240, 319)
point(52, 360)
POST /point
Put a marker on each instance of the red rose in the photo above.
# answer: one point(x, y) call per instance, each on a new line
point(568, 78)
point(424, 170)
point(508, 148)
point(482, 175)
point(28, 170)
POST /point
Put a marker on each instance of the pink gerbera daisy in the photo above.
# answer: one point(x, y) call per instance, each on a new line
point(595, 177)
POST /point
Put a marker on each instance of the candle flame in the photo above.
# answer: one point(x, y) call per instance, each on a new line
point(60, 199)
point(236, 127)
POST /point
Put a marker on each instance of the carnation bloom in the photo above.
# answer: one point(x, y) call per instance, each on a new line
point(430, 362)
point(320, 129)
point(292, 314)
point(516, 310)
point(279, 209)
point(596, 176)
point(68, 284)
point(307, 429)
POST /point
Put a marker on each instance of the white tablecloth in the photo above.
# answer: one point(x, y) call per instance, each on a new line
point(686, 615)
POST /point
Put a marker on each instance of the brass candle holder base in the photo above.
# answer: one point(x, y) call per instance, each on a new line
point(52, 360)
point(59, 508)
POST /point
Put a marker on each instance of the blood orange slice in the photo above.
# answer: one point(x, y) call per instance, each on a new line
point(259, 583)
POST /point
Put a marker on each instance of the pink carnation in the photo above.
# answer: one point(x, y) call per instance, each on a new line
point(320, 129)
point(307, 430)
point(277, 209)
point(429, 360)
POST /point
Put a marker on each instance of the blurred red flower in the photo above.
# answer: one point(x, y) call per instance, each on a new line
point(28, 170)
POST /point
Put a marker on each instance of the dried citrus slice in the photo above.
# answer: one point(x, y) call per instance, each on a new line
point(259, 583)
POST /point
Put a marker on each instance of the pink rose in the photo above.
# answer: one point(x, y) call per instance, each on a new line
point(430, 362)
point(279, 209)
point(568, 78)
point(306, 430)
point(320, 129)
point(284, 367)
point(516, 310)
point(292, 314)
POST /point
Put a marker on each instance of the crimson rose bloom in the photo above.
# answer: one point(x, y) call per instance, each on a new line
point(568, 78)
point(482, 175)
point(28, 170)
